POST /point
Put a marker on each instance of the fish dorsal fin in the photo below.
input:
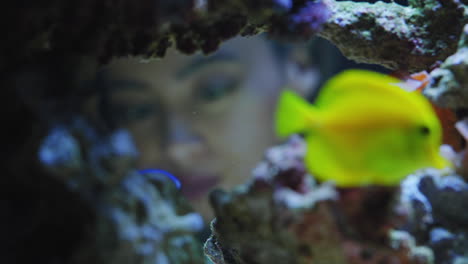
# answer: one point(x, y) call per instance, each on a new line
point(366, 94)
point(358, 83)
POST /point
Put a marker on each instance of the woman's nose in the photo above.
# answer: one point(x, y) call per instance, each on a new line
point(184, 146)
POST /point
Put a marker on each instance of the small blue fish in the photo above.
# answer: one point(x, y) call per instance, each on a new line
point(165, 173)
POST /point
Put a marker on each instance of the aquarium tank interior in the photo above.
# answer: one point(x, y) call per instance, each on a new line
point(234, 132)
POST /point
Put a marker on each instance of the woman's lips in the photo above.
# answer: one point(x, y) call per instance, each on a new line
point(194, 186)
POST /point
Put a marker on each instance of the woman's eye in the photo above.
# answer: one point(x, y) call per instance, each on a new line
point(133, 113)
point(217, 88)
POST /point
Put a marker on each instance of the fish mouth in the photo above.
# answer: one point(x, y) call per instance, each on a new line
point(197, 185)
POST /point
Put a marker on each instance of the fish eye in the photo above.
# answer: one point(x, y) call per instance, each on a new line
point(424, 130)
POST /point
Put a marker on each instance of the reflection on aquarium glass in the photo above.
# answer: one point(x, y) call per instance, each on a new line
point(227, 132)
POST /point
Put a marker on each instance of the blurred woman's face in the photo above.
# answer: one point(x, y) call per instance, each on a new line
point(205, 119)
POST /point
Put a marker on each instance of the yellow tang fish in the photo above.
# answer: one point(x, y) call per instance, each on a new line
point(363, 129)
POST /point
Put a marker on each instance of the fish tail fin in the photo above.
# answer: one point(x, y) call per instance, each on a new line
point(293, 114)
